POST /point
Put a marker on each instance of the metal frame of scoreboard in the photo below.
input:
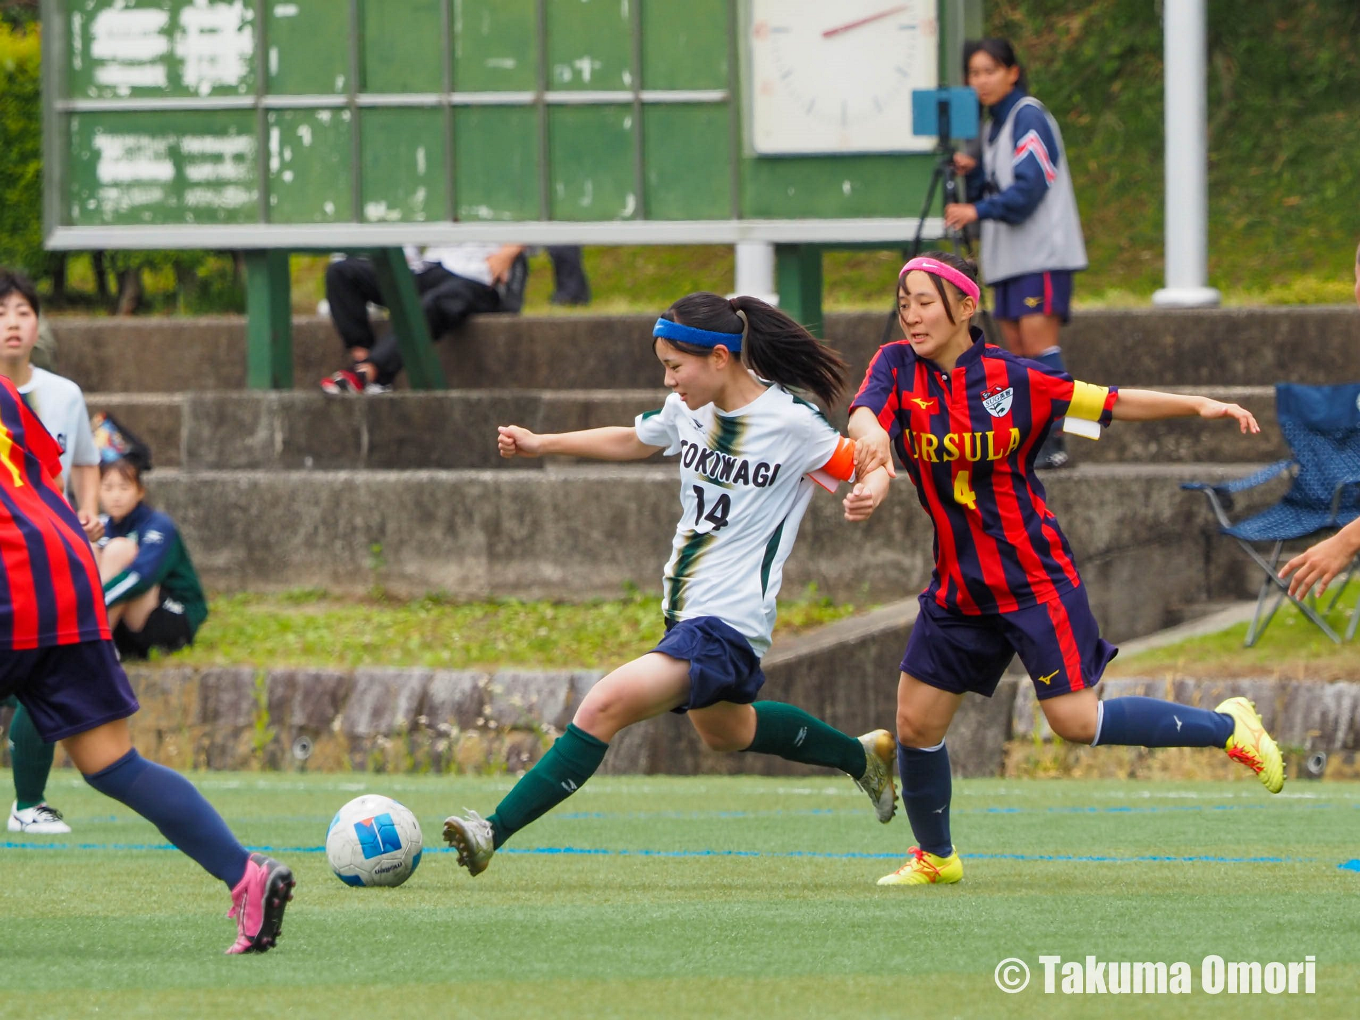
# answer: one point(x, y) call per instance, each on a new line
point(799, 240)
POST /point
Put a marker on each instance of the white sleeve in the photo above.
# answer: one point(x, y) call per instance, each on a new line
point(659, 427)
point(84, 452)
point(830, 456)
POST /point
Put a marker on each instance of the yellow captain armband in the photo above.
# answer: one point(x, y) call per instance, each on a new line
point(1083, 413)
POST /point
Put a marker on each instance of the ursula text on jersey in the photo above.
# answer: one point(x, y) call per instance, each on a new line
point(968, 439)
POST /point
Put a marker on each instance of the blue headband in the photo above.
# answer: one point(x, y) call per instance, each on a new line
point(668, 330)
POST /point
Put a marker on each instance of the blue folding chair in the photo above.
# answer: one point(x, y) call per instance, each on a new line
point(1321, 424)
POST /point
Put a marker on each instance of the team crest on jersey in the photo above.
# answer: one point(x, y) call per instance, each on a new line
point(997, 400)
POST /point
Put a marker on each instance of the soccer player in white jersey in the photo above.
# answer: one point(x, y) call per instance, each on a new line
point(750, 453)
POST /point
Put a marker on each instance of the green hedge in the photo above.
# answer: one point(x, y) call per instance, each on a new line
point(21, 151)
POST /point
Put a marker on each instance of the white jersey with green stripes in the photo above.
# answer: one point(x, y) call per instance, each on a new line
point(744, 486)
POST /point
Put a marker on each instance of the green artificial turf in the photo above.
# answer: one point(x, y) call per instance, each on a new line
point(696, 897)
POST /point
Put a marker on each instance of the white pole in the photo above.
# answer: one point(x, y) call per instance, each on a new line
point(1187, 158)
point(755, 270)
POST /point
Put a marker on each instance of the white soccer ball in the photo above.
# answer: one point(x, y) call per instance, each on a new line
point(373, 840)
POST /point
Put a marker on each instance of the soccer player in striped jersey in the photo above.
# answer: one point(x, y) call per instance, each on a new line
point(57, 658)
point(750, 455)
point(967, 420)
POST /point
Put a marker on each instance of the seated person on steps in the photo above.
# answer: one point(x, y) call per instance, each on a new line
point(453, 283)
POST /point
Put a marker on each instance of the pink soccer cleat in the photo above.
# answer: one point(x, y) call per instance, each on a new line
point(258, 902)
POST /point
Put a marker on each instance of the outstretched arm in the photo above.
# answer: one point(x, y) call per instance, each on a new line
point(1153, 405)
point(613, 443)
point(1320, 563)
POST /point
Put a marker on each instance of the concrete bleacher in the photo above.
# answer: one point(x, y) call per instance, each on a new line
point(281, 489)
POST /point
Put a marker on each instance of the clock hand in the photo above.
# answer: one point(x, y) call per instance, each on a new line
point(863, 21)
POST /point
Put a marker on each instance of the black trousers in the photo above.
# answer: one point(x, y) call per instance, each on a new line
point(447, 301)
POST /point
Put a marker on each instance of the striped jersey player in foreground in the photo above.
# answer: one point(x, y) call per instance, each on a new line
point(751, 453)
point(967, 420)
point(57, 657)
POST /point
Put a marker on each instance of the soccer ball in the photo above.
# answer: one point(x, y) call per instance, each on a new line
point(373, 840)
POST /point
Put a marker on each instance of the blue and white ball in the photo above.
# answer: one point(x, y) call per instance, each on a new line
point(373, 840)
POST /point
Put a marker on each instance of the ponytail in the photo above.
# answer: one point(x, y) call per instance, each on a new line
point(773, 346)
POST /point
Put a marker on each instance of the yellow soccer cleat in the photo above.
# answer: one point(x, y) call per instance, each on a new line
point(1252, 745)
point(880, 750)
point(926, 869)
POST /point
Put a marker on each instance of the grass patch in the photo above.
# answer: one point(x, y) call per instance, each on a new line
point(694, 897)
point(308, 627)
point(1291, 648)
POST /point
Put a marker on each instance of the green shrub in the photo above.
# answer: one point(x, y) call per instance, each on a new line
point(21, 151)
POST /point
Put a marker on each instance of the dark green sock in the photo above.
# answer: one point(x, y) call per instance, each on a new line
point(30, 758)
point(572, 759)
point(791, 733)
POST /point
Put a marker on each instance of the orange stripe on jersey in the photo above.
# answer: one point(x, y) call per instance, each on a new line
point(842, 463)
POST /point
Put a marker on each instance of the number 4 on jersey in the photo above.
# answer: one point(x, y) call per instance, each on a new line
point(718, 515)
point(963, 491)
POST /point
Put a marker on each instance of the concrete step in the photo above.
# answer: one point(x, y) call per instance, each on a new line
point(1194, 347)
point(456, 429)
point(1146, 548)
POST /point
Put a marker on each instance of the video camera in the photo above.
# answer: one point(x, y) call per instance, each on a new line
point(946, 113)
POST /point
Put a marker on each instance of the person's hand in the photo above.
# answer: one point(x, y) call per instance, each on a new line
point(1246, 421)
point(94, 527)
point(860, 504)
point(958, 215)
point(964, 163)
point(1318, 565)
point(873, 451)
point(500, 261)
point(515, 441)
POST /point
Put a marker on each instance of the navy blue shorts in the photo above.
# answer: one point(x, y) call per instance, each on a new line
point(722, 664)
point(1059, 643)
point(1034, 294)
point(68, 689)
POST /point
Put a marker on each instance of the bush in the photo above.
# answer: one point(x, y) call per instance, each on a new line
point(21, 151)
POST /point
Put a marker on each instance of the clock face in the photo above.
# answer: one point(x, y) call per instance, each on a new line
point(836, 76)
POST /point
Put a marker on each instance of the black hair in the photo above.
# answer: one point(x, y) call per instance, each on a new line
point(775, 347)
point(129, 467)
point(999, 50)
point(14, 282)
point(965, 266)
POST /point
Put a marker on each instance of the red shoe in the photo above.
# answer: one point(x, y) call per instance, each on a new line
point(343, 381)
point(258, 902)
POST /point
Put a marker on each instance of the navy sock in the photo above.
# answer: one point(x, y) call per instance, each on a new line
point(1052, 358)
point(926, 791)
point(1148, 722)
point(172, 804)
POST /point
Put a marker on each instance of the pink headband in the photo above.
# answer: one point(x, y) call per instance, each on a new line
point(944, 273)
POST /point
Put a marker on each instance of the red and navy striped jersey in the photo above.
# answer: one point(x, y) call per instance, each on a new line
point(49, 585)
point(968, 438)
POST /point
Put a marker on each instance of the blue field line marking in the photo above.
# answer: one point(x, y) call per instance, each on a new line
point(581, 816)
point(573, 851)
point(1352, 865)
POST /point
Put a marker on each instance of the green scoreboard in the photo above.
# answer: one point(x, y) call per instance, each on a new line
point(277, 125)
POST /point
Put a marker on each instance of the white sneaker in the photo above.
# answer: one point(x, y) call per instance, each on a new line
point(473, 839)
point(880, 753)
point(43, 819)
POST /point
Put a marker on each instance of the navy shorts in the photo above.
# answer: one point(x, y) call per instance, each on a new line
point(68, 689)
point(1059, 643)
point(722, 664)
point(1034, 294)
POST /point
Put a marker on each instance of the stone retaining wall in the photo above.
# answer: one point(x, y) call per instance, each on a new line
point(396, 720)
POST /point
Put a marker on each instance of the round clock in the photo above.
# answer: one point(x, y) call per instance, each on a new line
point(837, 77)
